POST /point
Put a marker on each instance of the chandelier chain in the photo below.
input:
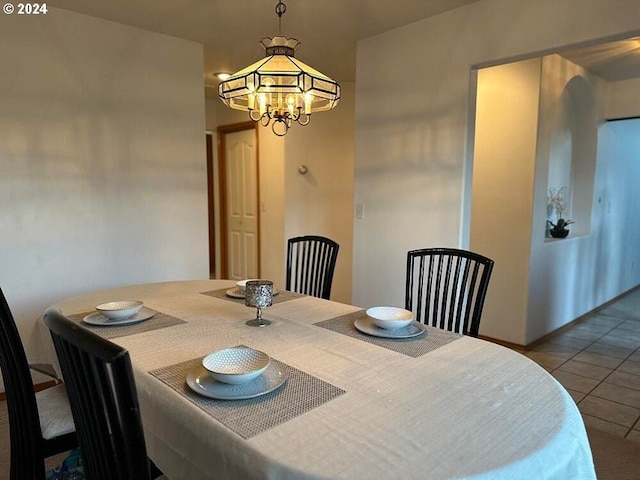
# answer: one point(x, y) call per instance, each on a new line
point(280, 9)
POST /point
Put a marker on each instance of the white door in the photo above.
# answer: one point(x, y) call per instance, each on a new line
point(241, 168)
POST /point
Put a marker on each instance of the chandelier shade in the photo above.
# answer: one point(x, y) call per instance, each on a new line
point(280, 87)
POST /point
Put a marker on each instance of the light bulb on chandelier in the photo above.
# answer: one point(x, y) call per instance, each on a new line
point(280, 89)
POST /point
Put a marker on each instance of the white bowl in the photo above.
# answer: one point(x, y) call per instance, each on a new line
point(390, 318)
point(242, 284)
point(121, 309)
point(236, 365)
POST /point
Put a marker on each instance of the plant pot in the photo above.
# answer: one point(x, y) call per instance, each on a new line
point(559, 233)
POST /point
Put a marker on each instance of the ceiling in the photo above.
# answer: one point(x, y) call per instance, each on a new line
point(230, 30)
point(612, 61)
point(328, 29)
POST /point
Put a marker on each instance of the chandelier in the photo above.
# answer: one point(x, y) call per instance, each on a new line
point(279, 89)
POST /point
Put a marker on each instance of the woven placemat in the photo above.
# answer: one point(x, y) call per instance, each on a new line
point(282, 296)
point(299, 394)
point(413, 347)
point(158, 321)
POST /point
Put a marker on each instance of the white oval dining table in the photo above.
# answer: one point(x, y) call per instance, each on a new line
point(427, 407)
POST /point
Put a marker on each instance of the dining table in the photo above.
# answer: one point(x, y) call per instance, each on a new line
point(346, 403)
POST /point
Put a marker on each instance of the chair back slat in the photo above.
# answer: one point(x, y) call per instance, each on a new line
point(311, 262)
point(27, 457)
point(446, 288)
point(103, 400)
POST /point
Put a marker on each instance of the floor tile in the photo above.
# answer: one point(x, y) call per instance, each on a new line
point(610, 350)
point(603, 320)
point(609, 411)
point(578, 383)
point(562, 351)
point(630, 335)
point(598, 359)
point(625, 308)
point(616, 393)
point(545, 359)
point(619, 340)
point(624, 379)
point(600, 424)
point(632, 326)
point(598, 362)
point(577, 396)
point(569, 341)
point(585, 369)
point(582, 334)
point(613, 313)
point(592, 323)
point(629, 366)
point(632, 435)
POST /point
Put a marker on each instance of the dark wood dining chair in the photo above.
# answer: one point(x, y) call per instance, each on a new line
point(40, 424)
point(104, 402)
point(311, 261)
point(446, 288)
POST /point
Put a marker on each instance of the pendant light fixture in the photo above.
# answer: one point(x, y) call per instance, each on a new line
point(280, 89)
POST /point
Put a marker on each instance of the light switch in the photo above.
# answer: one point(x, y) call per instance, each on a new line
point(359, 210)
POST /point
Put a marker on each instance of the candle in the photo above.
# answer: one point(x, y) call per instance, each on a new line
point(291, 101)
point(262, 100)
point(308, 98)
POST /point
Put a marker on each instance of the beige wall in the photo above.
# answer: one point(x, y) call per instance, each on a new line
point(413, 97)
point(503, 180)
point(320, 202)
point(529, 113)
point(271, 186)
point(622, 99)
point(102, 159)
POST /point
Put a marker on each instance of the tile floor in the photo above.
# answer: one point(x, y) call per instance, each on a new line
point(598, 362)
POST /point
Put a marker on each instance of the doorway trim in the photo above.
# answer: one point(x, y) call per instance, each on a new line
point(211, 207)
point(223, 130)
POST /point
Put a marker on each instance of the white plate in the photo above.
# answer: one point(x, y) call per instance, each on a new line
point(201, 382)
point(236, 293)
point(98, 319)
point(365, 325)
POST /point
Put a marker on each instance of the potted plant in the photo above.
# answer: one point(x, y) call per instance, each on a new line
point(559, 229)
point(556, 203)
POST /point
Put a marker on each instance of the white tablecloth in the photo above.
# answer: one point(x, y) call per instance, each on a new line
point(469, 409)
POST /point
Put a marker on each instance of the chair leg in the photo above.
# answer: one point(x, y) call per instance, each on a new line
point(155, 471)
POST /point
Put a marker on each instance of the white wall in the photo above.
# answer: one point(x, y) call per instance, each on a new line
point(102, 159)
point(565, 280)
point(618, 202)
point(320, 202)
point(412, 121)
point(599, 266)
